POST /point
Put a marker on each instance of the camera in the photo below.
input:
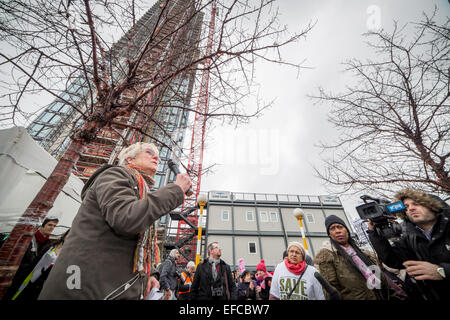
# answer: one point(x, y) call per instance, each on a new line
point(383, 214)
point(217, 291)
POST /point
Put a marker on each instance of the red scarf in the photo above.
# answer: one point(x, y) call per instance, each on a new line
point(296, 269)
point(40, 238)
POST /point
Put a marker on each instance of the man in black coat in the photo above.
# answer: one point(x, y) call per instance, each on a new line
point(213, 279)
point(424, 248)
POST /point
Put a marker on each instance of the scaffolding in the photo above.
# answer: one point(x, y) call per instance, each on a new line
point(175, 40)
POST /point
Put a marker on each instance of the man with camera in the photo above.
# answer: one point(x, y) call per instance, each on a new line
point(213, 279)
point(424, 247)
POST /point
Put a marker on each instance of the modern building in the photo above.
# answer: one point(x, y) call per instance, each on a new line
point(164, 114)
point(169, 105)
point(254, 226)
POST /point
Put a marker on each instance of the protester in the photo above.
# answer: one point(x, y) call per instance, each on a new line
point(39, 246)
point(236, 276)
point(294, 279)
point(213, 279)
point(308, 259)
point(106, 254)
point(263, 281)
point(187, 277)
point(246, 289)
point(168, 279)
point(346, 267)
point(424, 248)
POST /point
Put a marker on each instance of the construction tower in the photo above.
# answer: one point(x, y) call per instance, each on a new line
point(165, 109)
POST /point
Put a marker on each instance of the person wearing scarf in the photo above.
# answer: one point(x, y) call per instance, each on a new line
point(353, 272)
point(111, 251)
point(293, 279)
point(213, 279)
point(264, 281)
point(40, 244)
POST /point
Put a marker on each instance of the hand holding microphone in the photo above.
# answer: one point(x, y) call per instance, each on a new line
point(182, 180)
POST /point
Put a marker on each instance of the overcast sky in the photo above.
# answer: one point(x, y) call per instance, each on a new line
point(276, 153)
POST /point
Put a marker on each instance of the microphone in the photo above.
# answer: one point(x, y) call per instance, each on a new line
point(174, 168)
point(334, 294)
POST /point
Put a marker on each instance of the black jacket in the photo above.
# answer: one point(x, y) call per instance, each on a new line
point(244, 292)
point(201, 288)
point(413, 245)
point(29, 261)
point(168, 275)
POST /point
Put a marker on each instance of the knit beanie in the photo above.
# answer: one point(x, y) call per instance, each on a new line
point(261, 266)
point(334, 219)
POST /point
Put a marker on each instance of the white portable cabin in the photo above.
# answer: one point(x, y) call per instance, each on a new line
point(24, 168)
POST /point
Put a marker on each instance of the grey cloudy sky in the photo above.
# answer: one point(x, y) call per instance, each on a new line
point(276, 153)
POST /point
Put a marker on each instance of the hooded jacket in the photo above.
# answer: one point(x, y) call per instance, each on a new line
point(168, 275)
point(98, 253)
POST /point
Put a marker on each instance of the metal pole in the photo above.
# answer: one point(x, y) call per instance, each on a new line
point(199, 235)
point(300, 221)
point(202, 200)
point(298, 214)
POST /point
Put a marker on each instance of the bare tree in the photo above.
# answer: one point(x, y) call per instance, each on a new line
point(53, 46)
point(394, 122)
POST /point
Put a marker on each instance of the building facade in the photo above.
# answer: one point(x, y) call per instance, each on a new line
point(252, 226)
point(169, 106)
point(164, 113)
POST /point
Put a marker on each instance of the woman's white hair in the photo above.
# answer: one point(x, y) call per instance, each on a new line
point(133, 150)
point(298, 245)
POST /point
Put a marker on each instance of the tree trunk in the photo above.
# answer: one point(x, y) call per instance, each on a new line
point(15, 246)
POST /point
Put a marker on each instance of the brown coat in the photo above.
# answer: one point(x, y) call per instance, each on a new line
point(348, 281)
point(103, 237)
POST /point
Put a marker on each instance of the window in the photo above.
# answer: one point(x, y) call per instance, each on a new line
point(263, 216)
point(310, 218)
point(225, 215)
point(273, 217)
point(252, 247)
point(157, 180)
point(55, 119)
point(250, 216)
point(34, 128)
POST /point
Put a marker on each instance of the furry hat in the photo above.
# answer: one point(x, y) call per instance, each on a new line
point(429, 201)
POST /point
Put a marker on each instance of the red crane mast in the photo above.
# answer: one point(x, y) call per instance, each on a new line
point(195, 159)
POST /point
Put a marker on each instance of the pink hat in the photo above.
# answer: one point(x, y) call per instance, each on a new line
point(261, 266)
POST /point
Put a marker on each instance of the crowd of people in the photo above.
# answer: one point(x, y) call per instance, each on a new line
point(107, 253)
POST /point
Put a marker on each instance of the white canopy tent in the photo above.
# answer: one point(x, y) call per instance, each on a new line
point(24, 168)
